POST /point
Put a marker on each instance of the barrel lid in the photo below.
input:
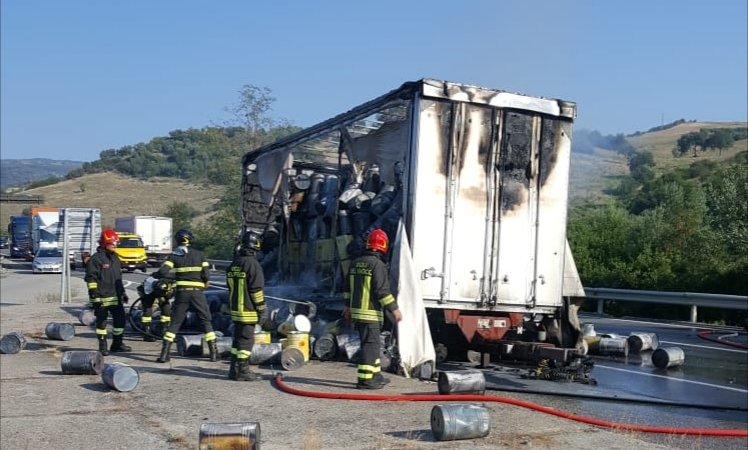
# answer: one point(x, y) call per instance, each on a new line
point(302, 323)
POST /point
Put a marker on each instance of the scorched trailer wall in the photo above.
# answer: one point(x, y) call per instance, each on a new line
point(477, 181)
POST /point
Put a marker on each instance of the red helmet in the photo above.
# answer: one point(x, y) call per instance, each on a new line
point(377, 241)
point(108, 237)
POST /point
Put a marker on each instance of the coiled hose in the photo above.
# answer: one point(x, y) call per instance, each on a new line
point(491, 398)
point(705, 335)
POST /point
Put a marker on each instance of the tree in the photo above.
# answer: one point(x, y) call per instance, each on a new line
point(251, 112)
point(181, 215)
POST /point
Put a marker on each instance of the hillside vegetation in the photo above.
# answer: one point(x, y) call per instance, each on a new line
point(118, 195)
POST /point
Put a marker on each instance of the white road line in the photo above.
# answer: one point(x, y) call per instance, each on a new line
point(674, 379)
point(708, 347)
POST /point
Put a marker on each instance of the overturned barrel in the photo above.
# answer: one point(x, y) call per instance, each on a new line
point(349, 346)
point(292, 358)
point(639, 342)
point(120, 376)
point(667, 357)
point(325, 347)
point(87, 317)
point(60, 331)
point(223, 345)
point(190, 345)
point(229, 436)
point(613, 346)
point(12, 342)
point(82, 362)
point(461, 421)
point(269, 353)
point(462, 382)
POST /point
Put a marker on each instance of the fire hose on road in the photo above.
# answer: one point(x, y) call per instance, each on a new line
point(490, 398)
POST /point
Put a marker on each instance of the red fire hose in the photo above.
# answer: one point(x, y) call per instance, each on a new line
point(491, 398)
point(705, 335)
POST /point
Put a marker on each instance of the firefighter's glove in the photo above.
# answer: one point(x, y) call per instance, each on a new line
point(262, 313)
point(347, 314)
point(93, 294)
point(124, 299)
point(95, 306)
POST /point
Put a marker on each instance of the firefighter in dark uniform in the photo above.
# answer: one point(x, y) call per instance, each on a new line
point(191, 277)
point(157, 292)
point(245, 281)
point(367, 294)
point(106, 293)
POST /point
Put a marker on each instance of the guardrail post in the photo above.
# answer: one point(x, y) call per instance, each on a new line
point(694, 313)
point(600, 304)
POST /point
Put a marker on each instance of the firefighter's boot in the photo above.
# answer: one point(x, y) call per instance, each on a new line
point(118, 346)
point(243, 372)
point(165, 349)
point(381, 378)
point(232, 368)
point(103, 347)
point(213, 350)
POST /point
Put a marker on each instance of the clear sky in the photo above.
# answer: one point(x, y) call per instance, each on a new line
point(78, 77)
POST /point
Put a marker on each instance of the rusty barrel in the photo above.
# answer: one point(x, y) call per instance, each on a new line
point(639, 342)
point(667, 357)
point(12, 342)
point(229, 436)
point(82, 362)
point(460, 421)
point(462, 382)
point(60, 331)
point(120, 376)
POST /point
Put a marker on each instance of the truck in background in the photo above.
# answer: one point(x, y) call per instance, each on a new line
point(44, 229)
point(154, 231)
point(18, 234)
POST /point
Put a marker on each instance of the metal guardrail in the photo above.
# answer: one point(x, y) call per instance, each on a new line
point(694, 300)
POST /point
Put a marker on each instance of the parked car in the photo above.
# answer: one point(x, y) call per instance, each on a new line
point(4, 242)
point(47, 260)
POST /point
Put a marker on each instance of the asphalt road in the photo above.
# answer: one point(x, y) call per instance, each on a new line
point(41, 408)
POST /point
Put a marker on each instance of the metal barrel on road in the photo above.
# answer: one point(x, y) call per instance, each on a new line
point(639, 342)
point(12, 342)
point(120, 376)
point(60, 331)
point(667, 357)
point(461, 421)
point(229, 436)
point(462, 382)
point(82, 362)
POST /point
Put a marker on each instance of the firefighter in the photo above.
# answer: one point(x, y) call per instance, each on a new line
point(158, 292)
point(367, 294)
point(191, 277)
point(106, 293)
point(245, 280)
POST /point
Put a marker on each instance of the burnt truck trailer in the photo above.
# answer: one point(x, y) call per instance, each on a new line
point(471, 186)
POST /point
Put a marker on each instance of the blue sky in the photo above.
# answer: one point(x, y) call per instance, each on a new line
point(80, 77)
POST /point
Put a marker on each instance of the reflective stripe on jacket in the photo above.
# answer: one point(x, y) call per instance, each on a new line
point(104, 273)
point(245, 281)
point(190, 268)
point(367, 292)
